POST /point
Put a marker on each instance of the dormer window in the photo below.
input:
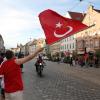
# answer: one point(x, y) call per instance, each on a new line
point(78, 18)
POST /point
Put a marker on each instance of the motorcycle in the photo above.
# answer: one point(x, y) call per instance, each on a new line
point(39, 68)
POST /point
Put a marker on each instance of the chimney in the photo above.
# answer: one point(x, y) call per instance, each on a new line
point(90, 7)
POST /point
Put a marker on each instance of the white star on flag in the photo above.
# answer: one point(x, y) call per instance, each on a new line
point(58, 25)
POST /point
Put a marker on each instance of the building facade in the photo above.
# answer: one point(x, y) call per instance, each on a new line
point(2, 48)
point(68, 45)
point(88, 40)
point(33, 45)
point(55, 48)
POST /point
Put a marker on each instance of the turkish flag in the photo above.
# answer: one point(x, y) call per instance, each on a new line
point(57, 27)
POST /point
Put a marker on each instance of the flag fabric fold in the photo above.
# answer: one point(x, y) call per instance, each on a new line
point(57, 27)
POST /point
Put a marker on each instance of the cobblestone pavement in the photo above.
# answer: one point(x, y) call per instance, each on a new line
point(61, 82)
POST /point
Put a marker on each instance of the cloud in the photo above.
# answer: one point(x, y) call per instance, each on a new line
point(15, 20)
point(19, 18)
point(15, 23)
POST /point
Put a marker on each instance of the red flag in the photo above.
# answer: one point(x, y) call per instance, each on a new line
point(57, 27)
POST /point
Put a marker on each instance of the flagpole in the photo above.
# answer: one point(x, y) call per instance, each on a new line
point(75, 5)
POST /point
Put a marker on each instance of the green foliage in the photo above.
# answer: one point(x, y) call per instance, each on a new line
point(66, 59)
point(49, 56)
point(97, 53)
point(74, 54)
point(62, 54)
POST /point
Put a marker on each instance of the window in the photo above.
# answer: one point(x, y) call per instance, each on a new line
point(61, 48)
point(70, 37)
point(86, 34)
point(78, 18)
point(73, 37)
point(91, 44)
point(67, 46)
point(73, 45)
point(96, 43)
point(67, 39)
point(70, 46)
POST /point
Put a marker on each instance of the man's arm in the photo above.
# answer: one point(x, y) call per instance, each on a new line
point(29, 57)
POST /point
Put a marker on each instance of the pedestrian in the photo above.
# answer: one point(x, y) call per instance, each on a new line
point(2, 94)
point(58, 60)
point(12, 74)
point(2, 88)
point(71, 61)
point(76, 61)
point(96, 61)
point(62, 59)
point(20, 55)
point(86, 56)
point(82, 62)
point(1, 58)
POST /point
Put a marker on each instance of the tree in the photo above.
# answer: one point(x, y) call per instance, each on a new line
point(97, 53)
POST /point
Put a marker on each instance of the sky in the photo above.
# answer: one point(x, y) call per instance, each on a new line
point(19, 22)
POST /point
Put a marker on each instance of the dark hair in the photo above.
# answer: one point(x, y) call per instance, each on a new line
point(9, 54)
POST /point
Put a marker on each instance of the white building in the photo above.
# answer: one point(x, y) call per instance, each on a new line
point(68, 44)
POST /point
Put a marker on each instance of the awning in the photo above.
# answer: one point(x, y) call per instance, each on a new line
point(80, 52)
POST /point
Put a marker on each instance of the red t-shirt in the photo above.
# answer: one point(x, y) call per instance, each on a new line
point(12, 76)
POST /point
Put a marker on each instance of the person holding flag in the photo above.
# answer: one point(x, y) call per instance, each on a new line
point(12, 74)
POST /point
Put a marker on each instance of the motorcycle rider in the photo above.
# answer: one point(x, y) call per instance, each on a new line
point(39, 60)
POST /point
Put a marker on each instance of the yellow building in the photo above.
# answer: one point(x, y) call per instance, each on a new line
point(55, 48)
point(89, 39)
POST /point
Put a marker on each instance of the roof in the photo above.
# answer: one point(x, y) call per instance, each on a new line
point(97, 10)
point(77, 15)
point(0, 36)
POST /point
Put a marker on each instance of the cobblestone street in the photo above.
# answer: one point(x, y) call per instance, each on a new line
point(61, 82)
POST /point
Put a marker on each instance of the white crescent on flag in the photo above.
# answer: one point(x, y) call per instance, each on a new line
point(62, 35)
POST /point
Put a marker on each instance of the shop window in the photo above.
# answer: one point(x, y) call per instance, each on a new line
point(70, 46)
point(73, 45)
point(96, 43)
point(67, 46)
